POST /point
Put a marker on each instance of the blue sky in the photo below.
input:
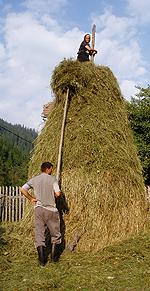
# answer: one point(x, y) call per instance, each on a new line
point(35, 35)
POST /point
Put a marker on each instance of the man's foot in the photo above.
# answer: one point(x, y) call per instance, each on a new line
point(41, 255)
point(55, 255)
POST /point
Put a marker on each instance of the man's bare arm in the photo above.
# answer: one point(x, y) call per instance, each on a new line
point(90, 49)
point(28, 195)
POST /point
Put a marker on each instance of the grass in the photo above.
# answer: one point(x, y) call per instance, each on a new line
point(124, 266)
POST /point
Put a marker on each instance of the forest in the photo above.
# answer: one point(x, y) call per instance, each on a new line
point(139, 118)
point(16, 143)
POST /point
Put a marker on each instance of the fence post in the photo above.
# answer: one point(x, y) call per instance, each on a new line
point(23, 206)
point(2, 201)
point(20, 198)
point(13, 204)
point(9, 203)
point(16, 206)
point(5, 203)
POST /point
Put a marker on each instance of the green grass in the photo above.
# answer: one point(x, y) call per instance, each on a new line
point(125, 266)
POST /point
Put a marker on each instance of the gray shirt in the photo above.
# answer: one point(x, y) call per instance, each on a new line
point(44, 187)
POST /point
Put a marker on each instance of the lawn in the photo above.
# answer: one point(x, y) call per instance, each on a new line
point(125, 266)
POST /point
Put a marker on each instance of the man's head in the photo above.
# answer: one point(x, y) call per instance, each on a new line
point(47, 168)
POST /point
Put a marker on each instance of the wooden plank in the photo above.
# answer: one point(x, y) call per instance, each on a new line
point(2, 201)
point(6, 202)
point(3, 204)
point(9, 203)
point(16, 205)
point(62, 137)
point(93, 40)
point(12, 203)
point(24, 203)
point(20, 201)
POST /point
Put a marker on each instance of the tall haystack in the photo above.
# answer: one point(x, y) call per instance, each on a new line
point(101, 172)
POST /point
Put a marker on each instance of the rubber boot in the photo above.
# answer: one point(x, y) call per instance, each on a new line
point(41, 254)
point(55, 252)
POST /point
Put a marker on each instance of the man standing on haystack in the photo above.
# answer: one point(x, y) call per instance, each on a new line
point(45, 188)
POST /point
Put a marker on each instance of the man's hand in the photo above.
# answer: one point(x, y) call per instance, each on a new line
point(57, 194)
point(94, 52)
point(33, 200)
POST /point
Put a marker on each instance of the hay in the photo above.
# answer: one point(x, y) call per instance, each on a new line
point(101, 173)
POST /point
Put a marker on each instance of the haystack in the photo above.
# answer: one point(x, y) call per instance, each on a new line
point(101, 173)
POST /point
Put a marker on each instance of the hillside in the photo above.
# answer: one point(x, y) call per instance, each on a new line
point(15, 147)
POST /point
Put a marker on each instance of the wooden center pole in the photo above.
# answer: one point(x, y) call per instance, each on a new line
point(62, 138)
point(93, 40)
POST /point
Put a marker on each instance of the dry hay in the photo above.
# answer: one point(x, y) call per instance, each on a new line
point(101, 173)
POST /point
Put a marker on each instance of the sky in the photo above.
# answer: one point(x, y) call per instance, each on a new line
point(35, 35)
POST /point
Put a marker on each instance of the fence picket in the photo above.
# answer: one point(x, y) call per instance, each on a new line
point(5, 206)
point(12, 204)
point(20, 206)
point(9, 204)
point(23, 208)
point(2, 202)
point(16, 204)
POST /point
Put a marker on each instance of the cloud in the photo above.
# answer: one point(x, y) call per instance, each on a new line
point(140, 9)
point(2, 52)
point(128, 88)
point(44, 6)
point(29, 56)
point(112, 26)
point(117, 43)
point(125, 60)
point(32, 46)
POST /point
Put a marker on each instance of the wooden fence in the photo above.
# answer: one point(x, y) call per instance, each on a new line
point(12, 204)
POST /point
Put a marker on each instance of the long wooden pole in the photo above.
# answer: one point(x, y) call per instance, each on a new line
point(62, 137)
point(93, 40)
